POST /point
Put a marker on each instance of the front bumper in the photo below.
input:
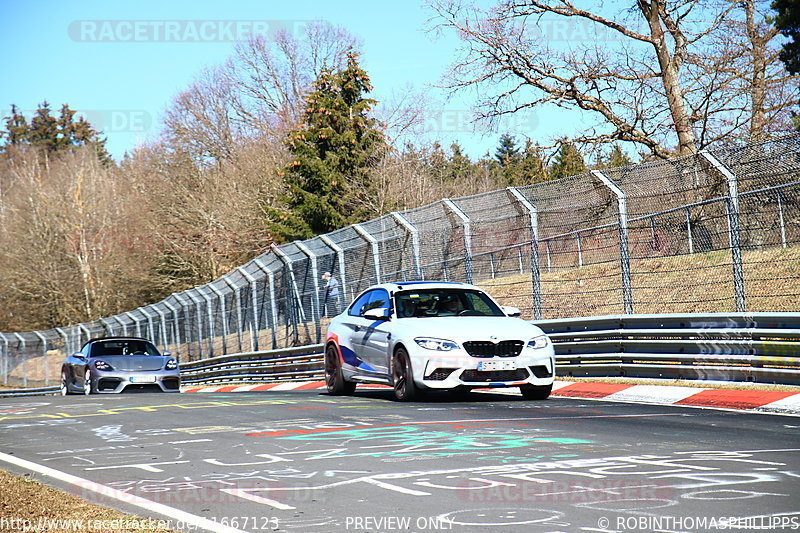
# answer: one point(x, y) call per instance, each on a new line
point(459, 369)
point(115, 381)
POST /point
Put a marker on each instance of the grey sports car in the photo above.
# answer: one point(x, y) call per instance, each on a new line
point(114, 364)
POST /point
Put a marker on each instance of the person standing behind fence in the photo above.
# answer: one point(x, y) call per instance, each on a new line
point(331, 294)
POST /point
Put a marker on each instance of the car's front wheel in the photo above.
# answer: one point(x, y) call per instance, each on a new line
point(87, 382)
point(64, 387)
point(334, 379)
point(405, 389)
point(536, 392)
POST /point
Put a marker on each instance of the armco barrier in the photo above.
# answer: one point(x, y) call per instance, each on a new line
point(762, 347)
point(758, 347)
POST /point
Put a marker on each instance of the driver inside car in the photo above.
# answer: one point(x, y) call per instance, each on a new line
point(451, 307)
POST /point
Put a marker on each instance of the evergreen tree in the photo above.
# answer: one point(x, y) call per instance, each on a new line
point(788, 22)
point(507, 152)
point(617, 158)
point(54, 134)
point(327, 181)
point(532, 167)
point(568, 162)
point(459, 165)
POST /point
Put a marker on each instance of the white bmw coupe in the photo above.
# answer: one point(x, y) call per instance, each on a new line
point(435, 335)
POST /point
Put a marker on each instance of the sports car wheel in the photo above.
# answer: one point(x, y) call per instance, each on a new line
point(536, 392)
point(334, 379)
point(64, 387)
point(405, 390)
point(87, 382)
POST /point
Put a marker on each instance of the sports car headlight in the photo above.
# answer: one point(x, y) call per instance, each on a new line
point(539, 342)
point(172, 364)
point(102, 365)
point(442, 345)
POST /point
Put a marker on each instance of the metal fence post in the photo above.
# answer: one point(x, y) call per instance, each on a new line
point(780, 218)
point(625, 258)
point(176, 335)
point(465, 222)
point(135, 323)
point(238, 298)
point(376, 252)
point(533, 216)
point(223, 314)
point(121, 323)
point(254, 298)
point(44, 355)
point(67, 343)
point(151, 330)
point(5, 356)
point(315, 310)
point(734, 230)
point(273, 306)
point(198, 316)
point(86, 330)
point(163, 318)
point(210, 315)
point(340, 259)
point(108, 325)
point(24, 359)
point(414, 234)
point(185, 305)
point(297, 314)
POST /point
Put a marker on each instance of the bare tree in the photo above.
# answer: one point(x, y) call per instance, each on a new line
point(640, 73)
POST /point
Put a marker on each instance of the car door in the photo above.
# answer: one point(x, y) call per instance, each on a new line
point(376, 333)
point(351, 339)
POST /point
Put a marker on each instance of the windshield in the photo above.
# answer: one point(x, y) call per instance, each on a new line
point(123, 347)
point(433, 303)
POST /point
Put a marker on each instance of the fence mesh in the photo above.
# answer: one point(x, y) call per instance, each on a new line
point(711, 232)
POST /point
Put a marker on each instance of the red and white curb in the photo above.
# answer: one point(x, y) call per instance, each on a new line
point(780, 402)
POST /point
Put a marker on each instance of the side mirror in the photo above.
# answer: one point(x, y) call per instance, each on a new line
point(511, 311)
point(380, 313)
point(79, 355)
point(166, 353)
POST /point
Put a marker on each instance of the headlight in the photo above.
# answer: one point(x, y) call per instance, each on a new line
point(172, 364)
point(102, 365)
point(436, 344)
point(539, 342)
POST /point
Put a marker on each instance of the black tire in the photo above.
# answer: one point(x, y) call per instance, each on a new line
point(87, 382)
point(64, 384)
point(405, 390)
point(334, 379)
point(536, 392)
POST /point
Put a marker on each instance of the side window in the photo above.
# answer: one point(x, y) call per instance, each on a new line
point(378, 300)
point(359, 306)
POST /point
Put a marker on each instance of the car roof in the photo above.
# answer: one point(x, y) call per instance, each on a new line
point(403, 285)
point(120, 338)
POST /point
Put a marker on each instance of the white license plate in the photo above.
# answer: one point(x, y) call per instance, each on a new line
point(143, 379)
point(497, 365)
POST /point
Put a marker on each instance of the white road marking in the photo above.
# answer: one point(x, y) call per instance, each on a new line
point(103, 490)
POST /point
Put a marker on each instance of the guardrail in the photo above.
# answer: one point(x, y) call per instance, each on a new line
point(39, 391)
point(288, 364)
point(758, 347)
point(762, 347)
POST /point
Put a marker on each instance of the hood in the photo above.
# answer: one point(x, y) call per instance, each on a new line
point(467, 328)
point(133, 363)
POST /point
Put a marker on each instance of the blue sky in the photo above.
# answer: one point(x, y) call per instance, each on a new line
point(124, 87)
